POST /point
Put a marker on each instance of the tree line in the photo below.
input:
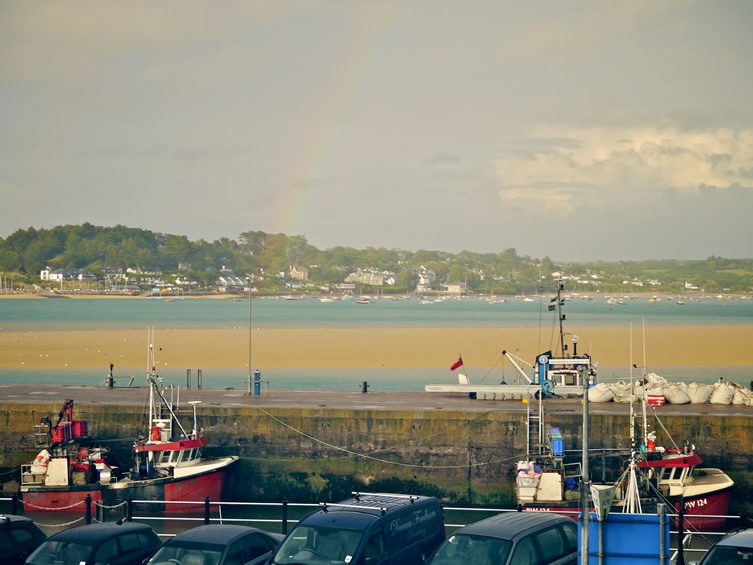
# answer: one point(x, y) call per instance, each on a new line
point(97, 248)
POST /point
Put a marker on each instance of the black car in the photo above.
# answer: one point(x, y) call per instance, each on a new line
point(114, 544)
point(19, 536)
point(736, 548)
point(218, 544)
point(520, 538)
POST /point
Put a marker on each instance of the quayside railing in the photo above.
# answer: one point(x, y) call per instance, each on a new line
point(279, 516)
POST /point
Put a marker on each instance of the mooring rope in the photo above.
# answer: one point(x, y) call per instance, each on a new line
point(52, 509)
point(378, 459)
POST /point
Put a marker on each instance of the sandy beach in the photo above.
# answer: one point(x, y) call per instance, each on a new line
point(368, 347)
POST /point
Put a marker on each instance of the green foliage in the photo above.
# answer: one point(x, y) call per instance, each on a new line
point(86, 246)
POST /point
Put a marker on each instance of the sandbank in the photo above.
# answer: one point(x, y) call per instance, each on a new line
point(367, 347)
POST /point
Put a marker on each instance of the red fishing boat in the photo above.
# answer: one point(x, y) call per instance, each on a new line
point(167, 463)
point(646, 474)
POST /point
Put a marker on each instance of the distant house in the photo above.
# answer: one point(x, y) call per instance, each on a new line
point(229, 282)
point(455, 288)
point(114, 274)
point(58, 275)
point(185, 281)
point(298, 273)
point(426, 279)
point(372, 277)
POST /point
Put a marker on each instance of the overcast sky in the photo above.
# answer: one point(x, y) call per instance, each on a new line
point(577, 130)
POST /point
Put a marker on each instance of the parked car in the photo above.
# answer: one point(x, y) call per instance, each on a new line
point(368, 529)
point(733, 549)
point(19, 536)
point(114, 544)
point(218, 544)
point(523, 538)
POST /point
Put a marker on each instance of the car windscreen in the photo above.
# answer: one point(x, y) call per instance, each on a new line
point(472, 549)
point(54, 552)
point(187, 552)
point(307, 545)
point(729, 555)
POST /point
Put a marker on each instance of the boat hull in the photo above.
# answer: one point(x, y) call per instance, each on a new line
point(702, 512)
point(193, 487)
point(62, 499)
point(697, 508)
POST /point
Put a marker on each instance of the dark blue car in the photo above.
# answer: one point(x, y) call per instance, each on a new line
point(114, 544)
point(218, 544)
point(19, 536)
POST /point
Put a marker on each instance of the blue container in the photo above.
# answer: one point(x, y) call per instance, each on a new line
point(257, 382)
point(626, 539)
point(558, 447)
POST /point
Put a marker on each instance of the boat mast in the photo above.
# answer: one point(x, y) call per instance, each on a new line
point(643, 394)
point(632, 496)
point(585, 478)
point(560, 288)
point(155, 408)
point(150, 373)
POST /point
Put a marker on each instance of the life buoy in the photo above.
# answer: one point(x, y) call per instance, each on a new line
point(43, 458)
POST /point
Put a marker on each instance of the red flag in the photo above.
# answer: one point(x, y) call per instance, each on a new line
point(456, 364)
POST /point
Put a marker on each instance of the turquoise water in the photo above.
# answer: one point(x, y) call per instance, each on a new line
point(36, 314)
point(85, 314)
point(380, 380)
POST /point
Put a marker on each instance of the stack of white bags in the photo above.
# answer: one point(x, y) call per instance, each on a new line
point(674, 393)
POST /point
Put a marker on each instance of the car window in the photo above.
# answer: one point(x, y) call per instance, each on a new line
point(54, 551)
point(473, 550)
point(5, 541)
point(524, 553)
point(256, 545)
point(106, 553)
point(571, 536)
point(20, 535)
point(133, 542)
point(551, 543)
point(729, 555)
point(375, 546)
point(335, 545)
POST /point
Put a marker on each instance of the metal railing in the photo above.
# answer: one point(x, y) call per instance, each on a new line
point(208, 511)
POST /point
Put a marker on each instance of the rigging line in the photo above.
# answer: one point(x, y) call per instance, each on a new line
point(377, 459)
point(10, 471)
point(496, 362)
point(653, 409)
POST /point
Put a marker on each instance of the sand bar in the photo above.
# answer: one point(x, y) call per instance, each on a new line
point(367, 347)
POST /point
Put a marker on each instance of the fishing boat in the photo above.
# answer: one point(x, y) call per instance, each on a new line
point(647, 474)
point(550, 482)
point(167, 463)
point(554, 373)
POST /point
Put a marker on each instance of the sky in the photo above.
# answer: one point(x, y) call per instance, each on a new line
point(577, 130)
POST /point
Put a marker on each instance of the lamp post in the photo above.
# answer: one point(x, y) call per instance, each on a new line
point(250, 327)
point(585, 478)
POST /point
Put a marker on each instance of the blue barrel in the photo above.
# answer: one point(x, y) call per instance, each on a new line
point(257, 382)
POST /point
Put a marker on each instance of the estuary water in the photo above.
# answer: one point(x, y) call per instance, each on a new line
point(93, 314)
point(83, 314)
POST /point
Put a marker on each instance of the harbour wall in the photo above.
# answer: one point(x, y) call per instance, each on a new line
point(310, 454)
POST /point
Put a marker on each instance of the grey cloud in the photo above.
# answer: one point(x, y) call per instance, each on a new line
point(443, 159)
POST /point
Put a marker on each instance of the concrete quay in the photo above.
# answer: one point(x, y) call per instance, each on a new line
point(336, 399)
point(310, 445)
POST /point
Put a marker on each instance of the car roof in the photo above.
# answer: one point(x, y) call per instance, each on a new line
point(94, 533)
point(348, 518)
point(363, 509)
point(741, 538)
point(217, 533)
point(510, 525)
point(13, 519)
